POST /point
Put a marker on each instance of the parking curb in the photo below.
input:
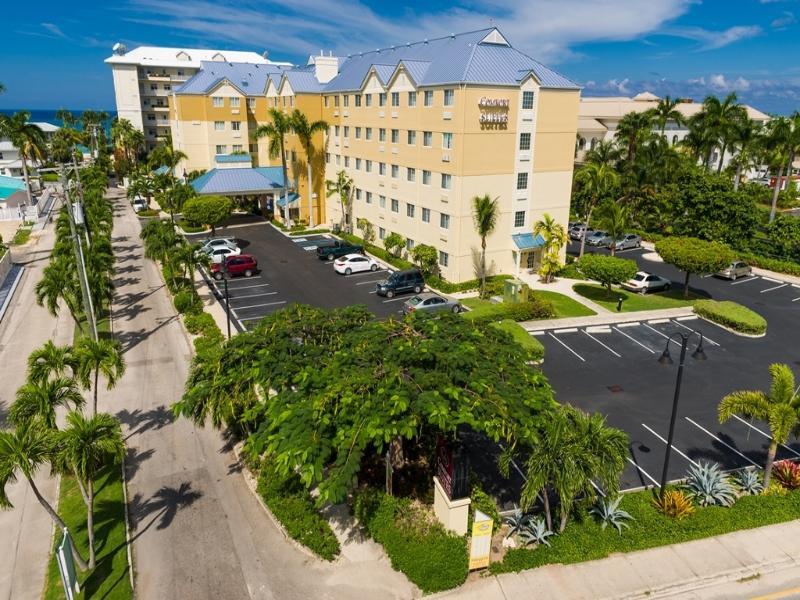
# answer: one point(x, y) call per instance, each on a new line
point(608, 319)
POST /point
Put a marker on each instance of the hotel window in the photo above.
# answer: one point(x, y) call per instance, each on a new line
point(369, 198)
point(444, 258)
point(447, 141)
point(358, 194)
point(447, 181)
point(236, 125)
point(153, 87)
point(519, 218)
point(346, 98)
point(412, 99)
point(395, 136)
point(428, 98)
point(411, 174)
point(395, 205)
point(336, 130)
point(338, 160)
point(409, 244)
point(527, 100)
point(368, 166)
point(382, 99)
point(234, 102)
point(236, 148)
point(412, 137)
point(347, 161)
point(328, 158)
point(294, 156)
point(426, 177)
point(410, 210)
point(427, 139)
point(382, 201)
point(336, 101)
point(522, 181)
point(449, 96)
point(221, 149)
point(358, 164)
point(381, 232)
point(326, 101)
point(253, 148)
point(218, 101)
point(368, 133)
point(152, 117)
point(524, 141)
point(382, 168)
point(357, 98)
point(381, 134)
point(426, 215)
point(347, 131)
point(368, 99)
point(151, 131)
point(275, 102)
point(395, 171)
point(251, 103)
point(219, 125)
point(395, 98)
point(358, 133)
point(167, 87)
point(444, 221)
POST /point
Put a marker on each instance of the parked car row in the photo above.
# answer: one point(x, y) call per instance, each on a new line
point(217, 249)
point(602, 239)
point(644, 282)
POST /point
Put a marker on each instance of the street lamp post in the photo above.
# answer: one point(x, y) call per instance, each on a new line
point(224, 269)
point(666, 359)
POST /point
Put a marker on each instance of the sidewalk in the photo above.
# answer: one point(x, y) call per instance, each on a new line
point(609, 318)
point(668, 571)
point(562, 285)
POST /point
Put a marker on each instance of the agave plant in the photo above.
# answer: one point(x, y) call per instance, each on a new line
point(516, 521)
point(709, 486)
point(674, 504)
point(609, 512)
point(749, 482)
point(787, 473)
point(534, 531)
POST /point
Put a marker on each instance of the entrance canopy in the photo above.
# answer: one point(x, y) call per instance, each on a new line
point(294, 200)
point(527, 241)
point(239, 181)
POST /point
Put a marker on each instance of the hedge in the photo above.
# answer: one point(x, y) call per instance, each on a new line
point(289, 501)
point(189, 228)
point(202, 324)
point(771, 264)
point(148, 212)
point(732, 315)
point(535, 307)
point(187, 302)
point(294, 232)
point(416, 543)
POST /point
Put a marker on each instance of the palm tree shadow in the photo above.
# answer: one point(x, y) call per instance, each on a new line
point(139, 421)
point(163, 505)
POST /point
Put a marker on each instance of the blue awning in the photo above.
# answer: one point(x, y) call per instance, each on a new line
point(293, 200)
point(162, 170)
point(527, 241)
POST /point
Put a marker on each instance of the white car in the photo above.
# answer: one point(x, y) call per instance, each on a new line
point(354, 263)
point(644, 282)
point(139, 204)
point(218, 243)
point(218, 254)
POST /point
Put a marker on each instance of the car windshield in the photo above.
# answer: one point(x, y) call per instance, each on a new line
point(415, 300)
point(639, 277)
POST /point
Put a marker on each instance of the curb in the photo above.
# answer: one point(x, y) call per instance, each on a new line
point(730, 330)
point(10, 295)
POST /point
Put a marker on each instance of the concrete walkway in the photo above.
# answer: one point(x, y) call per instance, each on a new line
point(562, 285)
point(679, 571)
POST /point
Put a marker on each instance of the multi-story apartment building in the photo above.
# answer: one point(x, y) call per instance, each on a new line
point(144, 79)
point(421, 128)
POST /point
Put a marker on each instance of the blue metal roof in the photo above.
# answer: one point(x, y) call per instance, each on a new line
point(463, 58)
point(162, 170)
point(250, 79)
point(303, 81)
point(272, 173)
point(293, 200)
point(235, 181)
point(232, 158)
point(526, 241)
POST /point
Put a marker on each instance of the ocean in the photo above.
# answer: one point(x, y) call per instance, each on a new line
point(49, 116)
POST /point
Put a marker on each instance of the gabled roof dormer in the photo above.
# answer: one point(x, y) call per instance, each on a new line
point(270, 91)
point(495, 37)
point(219, 57)
point(183, 56)
point(285, 88)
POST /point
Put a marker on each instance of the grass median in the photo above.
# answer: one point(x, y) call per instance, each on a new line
point(563, 306)
point(632, 302)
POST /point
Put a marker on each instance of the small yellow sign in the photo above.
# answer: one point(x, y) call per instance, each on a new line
point(481, 546)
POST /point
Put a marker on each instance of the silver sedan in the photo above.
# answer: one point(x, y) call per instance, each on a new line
point(430, 303)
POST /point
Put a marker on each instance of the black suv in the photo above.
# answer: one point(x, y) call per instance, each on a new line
point(398, 282)
point(335, 249)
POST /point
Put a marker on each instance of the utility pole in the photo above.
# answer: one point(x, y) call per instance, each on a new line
point(88, 306)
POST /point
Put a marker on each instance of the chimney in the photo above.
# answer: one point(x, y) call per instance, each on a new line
point(326, 67)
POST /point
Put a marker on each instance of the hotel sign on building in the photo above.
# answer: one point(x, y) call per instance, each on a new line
point(494, 110)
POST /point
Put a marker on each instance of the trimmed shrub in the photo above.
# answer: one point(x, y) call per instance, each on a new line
point(732, 315)
point(787, 473)
point(147, 213)
point(535, 307)
point(432, 558)
point(187, 301)
point(290, 503)
point(772, 264)
point(202, 324)
point(674, 504)
point(607, 270)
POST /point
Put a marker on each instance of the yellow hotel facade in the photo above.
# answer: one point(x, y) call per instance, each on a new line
point(420, 128)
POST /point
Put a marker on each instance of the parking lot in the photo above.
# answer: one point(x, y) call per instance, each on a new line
point(290, 272)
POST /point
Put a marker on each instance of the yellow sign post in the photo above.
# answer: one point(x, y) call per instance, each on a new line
point(481, 546)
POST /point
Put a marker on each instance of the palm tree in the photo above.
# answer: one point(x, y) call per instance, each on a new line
point(51, 361)
point(721, 118)
point(38, 400)
point(615, 219)
point(24, 451)
point(344, 187)
point(85, 446)
point(744, 143)
point(484, 214)
point(59, 283)
point(96, 357)
point(780, 409)
point(599, 180)
point(777, 142)
point(554, 236)
point(631, 129)
point(605, 152)
point(167, 156)
point(159, 239)
point(666, 111)
point(27, 138)
point(305, 132)
point(276, 132)
point(185, 256)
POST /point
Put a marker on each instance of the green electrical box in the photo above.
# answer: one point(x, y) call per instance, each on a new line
point(512, 290)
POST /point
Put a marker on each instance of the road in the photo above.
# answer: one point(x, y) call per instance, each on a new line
point(198, 531)
point(26, 530)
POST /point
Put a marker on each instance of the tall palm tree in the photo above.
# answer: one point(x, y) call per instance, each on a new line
point(721, 117)
point(780, 408)
point(777, 142)
point(96, 357)
point(28, 139)
point(631, 130)
point(38, 401)
point(276, 132)
point(599, 180)
point(305, 131)
point(484, 214)
point(615, 219)
point(186, 257)
point(84, 447)
point(666, 111)
point(51, 361)
point(167, 156)
point(344, 187)
point(606, 152)
point(555, 236)
point(744, 143)
point(59, 283)
point(24, 451)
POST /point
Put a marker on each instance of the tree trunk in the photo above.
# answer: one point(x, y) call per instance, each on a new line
point(285, 185)
point(585, 229)
point(737, 177)
point(483, 266)
point(27, 181)
point(310, 189)
point(686, 285)
point(96, 377)
point(57, 520)
point(90, 524)
point(775, 193)
point(548, 517)
point(773, 448)
point(563, 517)
point(721, 157)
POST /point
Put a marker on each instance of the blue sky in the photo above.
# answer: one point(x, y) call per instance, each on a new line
point(53, 56)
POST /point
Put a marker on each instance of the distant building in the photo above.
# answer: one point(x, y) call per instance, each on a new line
point(10, 162)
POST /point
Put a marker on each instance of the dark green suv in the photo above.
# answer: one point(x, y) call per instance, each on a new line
point(409, 280)
point(337, 248)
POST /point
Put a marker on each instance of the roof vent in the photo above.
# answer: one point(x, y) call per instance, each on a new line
point(425, 41)
point(408, 44)
point(392, 47)
point(452, 35)
point(265, 54)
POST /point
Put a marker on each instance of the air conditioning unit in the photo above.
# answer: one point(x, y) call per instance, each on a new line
point(445, 158)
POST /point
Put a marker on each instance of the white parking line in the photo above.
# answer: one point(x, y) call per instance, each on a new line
point(645, 473)
point(565, 346)
point(777, 287)
point(673, 445)
point(395, 299)
point(368, 282)
point(260, 305)
point(244, 287)
point(256, 318)
point(635, 341)
point(658, 321)
point(765, 434)
point(796, 299)
point(701, 428)
point(252, 295)
point(752, 278)
point(705, 337)
point(537, 333)
point(687, 318)
point(632, 324)
point(570, 330)
point(661, 334)
point(771, 280)
point(796, 285)
point(366, 273)
point(602, 344)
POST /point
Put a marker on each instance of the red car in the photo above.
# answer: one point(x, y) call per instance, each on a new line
point(243, 264)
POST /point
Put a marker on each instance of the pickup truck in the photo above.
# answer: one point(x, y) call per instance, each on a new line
point(337, 248)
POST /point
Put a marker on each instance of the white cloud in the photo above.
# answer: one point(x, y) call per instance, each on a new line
point(784, 20)
point(711, 40)
point(54, 29)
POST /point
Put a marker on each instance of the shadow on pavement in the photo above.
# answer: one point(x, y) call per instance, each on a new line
point(163, 505)
point(139, 421)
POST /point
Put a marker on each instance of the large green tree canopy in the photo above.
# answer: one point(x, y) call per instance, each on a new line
point(321, 390)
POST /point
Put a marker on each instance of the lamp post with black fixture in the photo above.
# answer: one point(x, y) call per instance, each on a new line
point(666, 359)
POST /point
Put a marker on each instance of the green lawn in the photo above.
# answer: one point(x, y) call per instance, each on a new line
point(564, 306)
point(632, 302)
point(525, 339)
point(103, 327)
point(21, 236)
point(110, 578)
